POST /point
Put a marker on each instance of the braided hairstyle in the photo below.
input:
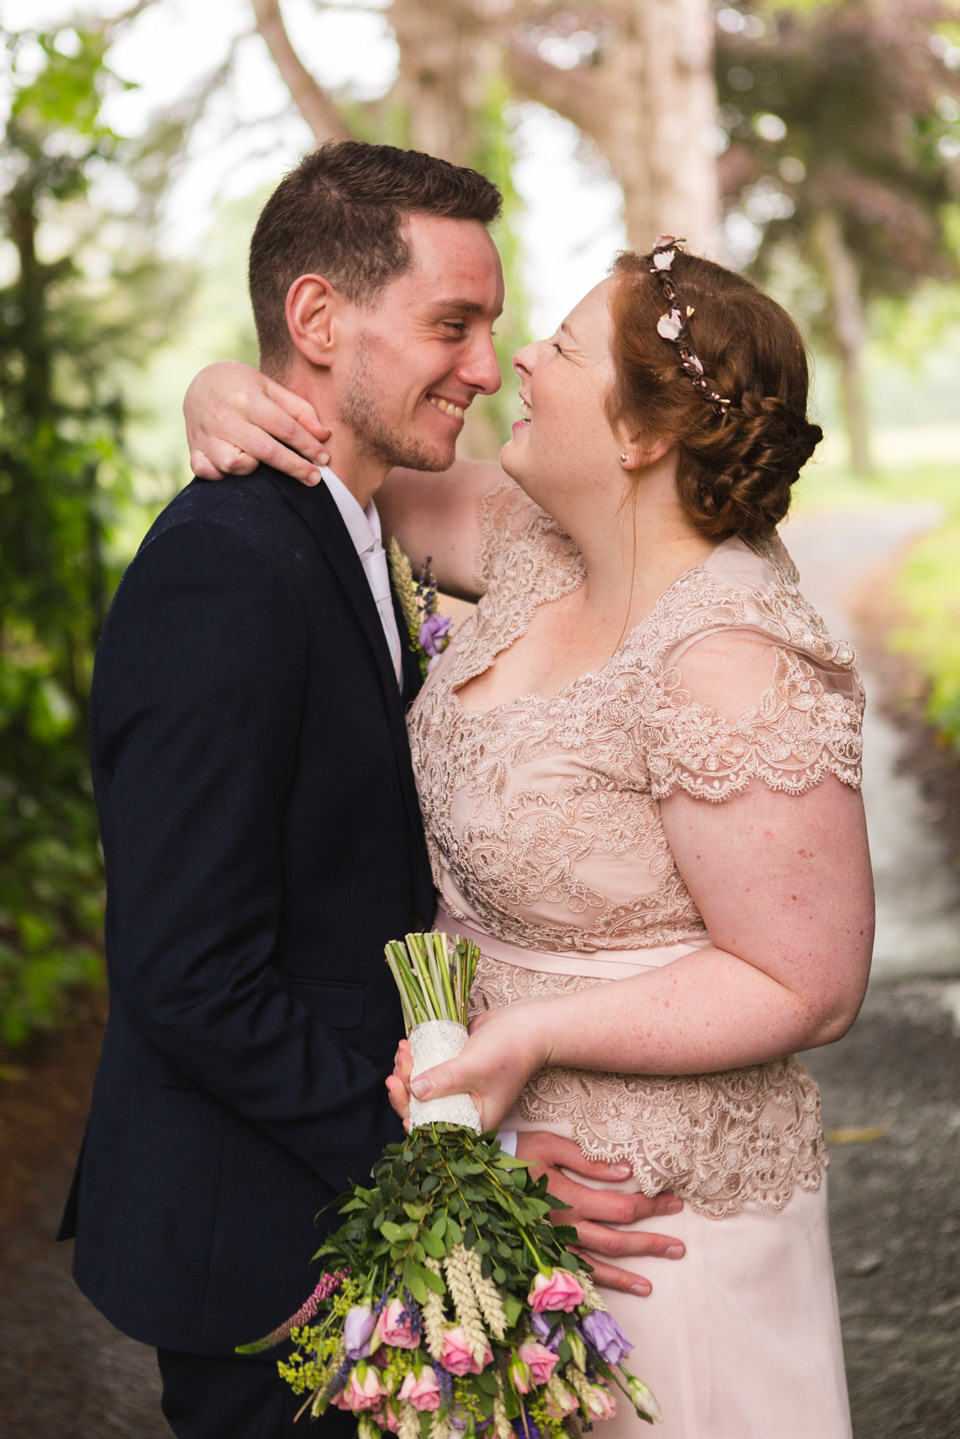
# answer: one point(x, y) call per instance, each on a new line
point(736, 464)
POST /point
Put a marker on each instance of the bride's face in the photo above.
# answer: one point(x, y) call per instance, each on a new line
point(563, 443)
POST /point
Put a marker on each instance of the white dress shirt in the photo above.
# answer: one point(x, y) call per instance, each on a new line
point(367, 535)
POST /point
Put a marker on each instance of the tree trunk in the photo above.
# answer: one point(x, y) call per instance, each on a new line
point(313, 102)
point(649, 104)
point(846, 323)
point(445, 59)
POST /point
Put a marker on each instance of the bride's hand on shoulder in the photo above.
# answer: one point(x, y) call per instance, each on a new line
point(506, 1046)
point(238, 418)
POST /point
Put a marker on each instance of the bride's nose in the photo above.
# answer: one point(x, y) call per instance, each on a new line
point(523, 360)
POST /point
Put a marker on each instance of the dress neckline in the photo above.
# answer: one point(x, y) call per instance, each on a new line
point(533, 698)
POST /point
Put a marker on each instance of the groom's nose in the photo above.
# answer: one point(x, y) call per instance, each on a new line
point(480, 368)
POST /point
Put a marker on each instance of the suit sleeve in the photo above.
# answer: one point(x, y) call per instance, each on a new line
point(198, 699)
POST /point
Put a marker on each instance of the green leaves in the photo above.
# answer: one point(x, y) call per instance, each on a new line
point(441, 1187)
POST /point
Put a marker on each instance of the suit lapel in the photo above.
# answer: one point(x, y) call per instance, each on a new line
point(316, 507)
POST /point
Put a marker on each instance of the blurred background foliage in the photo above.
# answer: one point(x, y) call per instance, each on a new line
point(816, 143)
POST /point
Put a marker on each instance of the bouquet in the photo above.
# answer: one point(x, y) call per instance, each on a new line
point(448, 1299)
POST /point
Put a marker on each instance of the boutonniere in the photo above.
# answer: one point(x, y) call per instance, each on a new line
point(429, 632)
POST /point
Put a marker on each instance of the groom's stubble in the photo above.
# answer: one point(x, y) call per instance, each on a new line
point(362, 413)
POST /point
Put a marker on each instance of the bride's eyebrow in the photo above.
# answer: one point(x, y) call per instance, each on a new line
point(566, 330)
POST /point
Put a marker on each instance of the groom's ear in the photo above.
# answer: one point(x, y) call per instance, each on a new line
point(312, 312)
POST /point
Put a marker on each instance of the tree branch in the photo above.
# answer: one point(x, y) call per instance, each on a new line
point(577, 95)
point(313, 102)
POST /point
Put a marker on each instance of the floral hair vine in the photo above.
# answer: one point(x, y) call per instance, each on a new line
point(673, 325)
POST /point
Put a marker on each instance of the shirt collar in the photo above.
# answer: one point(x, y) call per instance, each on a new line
point(363, 525)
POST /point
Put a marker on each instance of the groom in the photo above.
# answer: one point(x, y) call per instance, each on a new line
point(258, 812)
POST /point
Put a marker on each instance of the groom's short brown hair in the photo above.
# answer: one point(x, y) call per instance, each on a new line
point(340, 214)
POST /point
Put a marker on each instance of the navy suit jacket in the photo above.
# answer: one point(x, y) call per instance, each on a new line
point(262, 842)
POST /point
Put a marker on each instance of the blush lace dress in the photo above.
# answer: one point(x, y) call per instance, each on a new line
point(543, 822)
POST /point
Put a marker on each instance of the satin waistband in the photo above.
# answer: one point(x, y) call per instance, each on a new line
point(603, 963)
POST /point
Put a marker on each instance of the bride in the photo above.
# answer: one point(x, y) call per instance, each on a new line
point(638, 763)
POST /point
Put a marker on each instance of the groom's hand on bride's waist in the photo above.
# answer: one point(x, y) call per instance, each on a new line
point(596, 1213)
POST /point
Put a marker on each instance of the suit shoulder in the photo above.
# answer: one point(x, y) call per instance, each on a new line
point(251, 508)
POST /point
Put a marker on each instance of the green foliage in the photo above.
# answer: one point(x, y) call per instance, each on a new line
point(847, 107)
point(928, 587)
point(442, 1187)
point(64, 479)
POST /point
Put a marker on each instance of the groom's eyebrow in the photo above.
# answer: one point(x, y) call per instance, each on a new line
point(465, 307)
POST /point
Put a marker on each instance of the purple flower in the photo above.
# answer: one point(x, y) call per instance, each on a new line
point(605, 1336)
point(433, 634)
point(524, 1427)
point(549, 1334)
point(357, 1330)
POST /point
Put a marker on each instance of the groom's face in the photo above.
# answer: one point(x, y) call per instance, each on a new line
point(414, 361)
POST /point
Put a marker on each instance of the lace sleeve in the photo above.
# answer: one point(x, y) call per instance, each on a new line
point(735, 706)
point(507, 516)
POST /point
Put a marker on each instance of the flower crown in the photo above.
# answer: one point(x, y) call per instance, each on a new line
point(673, 325)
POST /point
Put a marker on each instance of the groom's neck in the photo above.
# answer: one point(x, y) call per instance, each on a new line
point(350, 460)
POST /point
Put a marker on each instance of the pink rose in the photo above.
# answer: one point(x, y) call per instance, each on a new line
point(394, 1329)
point(362, 1390)
point(388, 1418)
point(557, 1290)
point(421, 1390)
point(601, 1402)
point(542, 1361)
point(457, 1355)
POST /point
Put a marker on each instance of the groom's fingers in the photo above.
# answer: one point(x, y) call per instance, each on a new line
point(610, 1276)
point(543, 1148)
point(608, 1206)
point(614, 1244)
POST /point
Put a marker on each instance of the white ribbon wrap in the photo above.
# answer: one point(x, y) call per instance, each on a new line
point(431, 1043)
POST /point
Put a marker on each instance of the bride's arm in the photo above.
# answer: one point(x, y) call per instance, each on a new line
point(238, 418)
point(437, 518)
point(783, 883)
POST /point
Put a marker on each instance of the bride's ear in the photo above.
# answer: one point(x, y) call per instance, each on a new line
point(638, 451)
point(311, 312)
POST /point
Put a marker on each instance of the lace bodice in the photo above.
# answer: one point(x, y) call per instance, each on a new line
point(543, 821)
point(542, 815)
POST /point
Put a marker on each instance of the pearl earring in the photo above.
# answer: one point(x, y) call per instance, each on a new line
point(623, 459)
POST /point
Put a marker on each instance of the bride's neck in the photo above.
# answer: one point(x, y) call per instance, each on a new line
point(634, 550)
